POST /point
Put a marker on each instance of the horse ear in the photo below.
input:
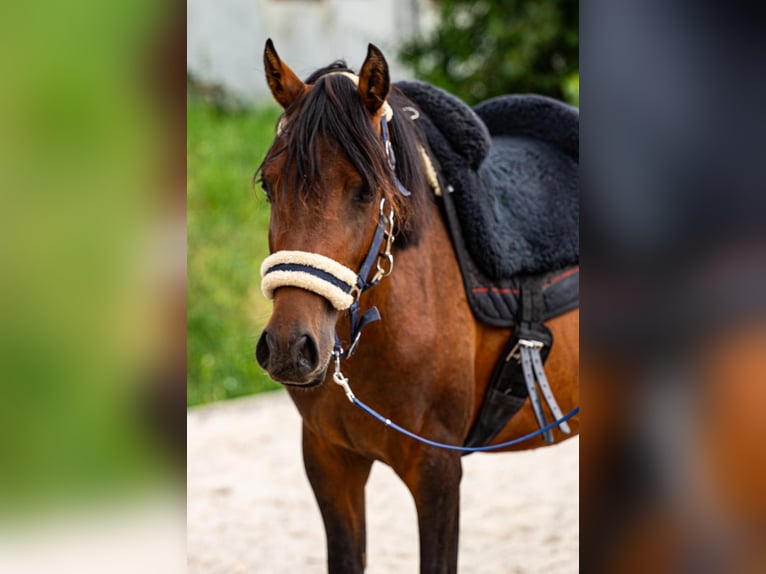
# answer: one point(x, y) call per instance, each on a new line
point(284, 84)
point(374, 82)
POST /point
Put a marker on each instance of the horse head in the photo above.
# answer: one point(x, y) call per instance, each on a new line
point(324, 176)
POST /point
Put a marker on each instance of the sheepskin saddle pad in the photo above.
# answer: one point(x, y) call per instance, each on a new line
point(511, 165)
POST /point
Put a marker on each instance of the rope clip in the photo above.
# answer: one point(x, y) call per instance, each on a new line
point(340, 380)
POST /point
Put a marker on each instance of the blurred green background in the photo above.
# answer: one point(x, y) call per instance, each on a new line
point(91, 256)
point(480, 49)
point(227, 223)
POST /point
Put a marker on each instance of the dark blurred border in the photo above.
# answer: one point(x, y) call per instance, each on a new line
point(167, 67)
point(673, 467)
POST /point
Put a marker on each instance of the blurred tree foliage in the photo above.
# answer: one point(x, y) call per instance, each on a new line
point(491, 47)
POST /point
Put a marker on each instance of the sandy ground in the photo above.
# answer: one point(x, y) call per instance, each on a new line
point(251, 510)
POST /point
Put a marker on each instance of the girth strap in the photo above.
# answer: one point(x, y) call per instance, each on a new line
point(534, 336)
point(517, 371)
point(545, 388)
point(529, 378)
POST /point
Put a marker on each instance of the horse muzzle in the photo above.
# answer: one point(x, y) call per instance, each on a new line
point(295, 346)
point(292, 362)
point(297, 281)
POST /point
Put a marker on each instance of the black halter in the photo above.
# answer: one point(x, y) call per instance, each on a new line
point(335, 281)
point(383, 231)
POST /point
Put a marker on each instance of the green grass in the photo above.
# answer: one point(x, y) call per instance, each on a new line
point(227, 222)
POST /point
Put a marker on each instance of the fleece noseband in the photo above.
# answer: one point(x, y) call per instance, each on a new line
point(312, 272)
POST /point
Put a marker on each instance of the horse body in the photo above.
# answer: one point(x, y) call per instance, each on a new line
point(426, 364)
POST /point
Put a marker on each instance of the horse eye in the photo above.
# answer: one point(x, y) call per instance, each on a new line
point(265, 187)
point(362, 194)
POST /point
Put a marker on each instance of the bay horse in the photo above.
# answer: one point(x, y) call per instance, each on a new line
point(427, 363)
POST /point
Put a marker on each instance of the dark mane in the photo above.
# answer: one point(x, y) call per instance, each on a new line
point(336, 66)
point(332, 110)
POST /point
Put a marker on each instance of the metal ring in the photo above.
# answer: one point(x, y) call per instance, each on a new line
point(389, 216)
point(385, 272)
point(390, 155)
point(414, 114)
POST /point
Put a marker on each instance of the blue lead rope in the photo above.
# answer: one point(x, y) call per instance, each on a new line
point(369, 410)
point(342, 381)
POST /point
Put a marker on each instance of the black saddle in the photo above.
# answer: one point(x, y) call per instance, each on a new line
point(509, 173)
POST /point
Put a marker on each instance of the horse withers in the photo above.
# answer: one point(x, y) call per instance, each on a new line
point(348, 170)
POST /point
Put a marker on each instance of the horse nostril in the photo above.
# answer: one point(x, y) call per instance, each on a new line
point(305, 353)
point(263, 349)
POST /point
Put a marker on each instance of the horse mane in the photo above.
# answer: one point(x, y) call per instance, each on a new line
point(333, 110)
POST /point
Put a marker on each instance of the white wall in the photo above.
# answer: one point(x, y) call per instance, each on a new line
point(225, 38)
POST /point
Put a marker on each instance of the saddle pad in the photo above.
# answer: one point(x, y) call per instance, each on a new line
point(496, 301)
point(512, 166)
point(525, 219)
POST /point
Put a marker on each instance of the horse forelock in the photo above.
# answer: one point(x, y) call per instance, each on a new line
point(332, 112)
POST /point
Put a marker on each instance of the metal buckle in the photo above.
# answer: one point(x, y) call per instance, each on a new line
point(531, 344)
point(514, 354)
point(390, 215)
point(354, 344)
point(384, 270)
point(390, 155)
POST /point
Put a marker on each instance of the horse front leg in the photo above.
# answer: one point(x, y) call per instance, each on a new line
point(433, 477)
point(338, 477)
